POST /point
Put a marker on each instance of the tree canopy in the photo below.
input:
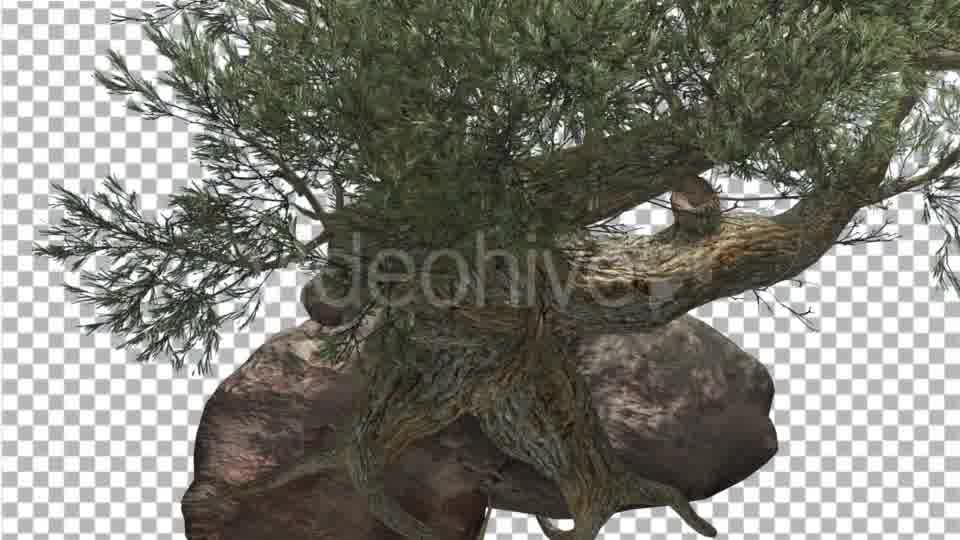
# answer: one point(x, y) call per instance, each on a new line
point(529, 121)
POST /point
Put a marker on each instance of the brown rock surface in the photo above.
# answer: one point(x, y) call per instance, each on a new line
point(683, 404)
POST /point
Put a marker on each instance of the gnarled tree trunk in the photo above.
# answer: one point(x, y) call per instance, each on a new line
point(681, 404)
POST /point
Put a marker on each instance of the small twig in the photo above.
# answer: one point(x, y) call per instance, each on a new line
point(794, 312)
point(876, 235)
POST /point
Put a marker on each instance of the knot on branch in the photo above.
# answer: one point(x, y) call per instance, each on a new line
point(696, 206)
point(320, 311)
point(327, 301)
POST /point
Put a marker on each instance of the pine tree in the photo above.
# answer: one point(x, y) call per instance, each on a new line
point(525, 127)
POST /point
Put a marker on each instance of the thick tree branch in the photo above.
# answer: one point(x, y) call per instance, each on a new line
point(655, 279)
point(770, 198)
point(642, 282)
point(626, 283)
point(617, 173)
point(940, 60)
point(632, 282)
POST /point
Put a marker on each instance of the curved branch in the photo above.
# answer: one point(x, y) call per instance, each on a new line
point(940, 60)
point(615, 174)
point(642, 282)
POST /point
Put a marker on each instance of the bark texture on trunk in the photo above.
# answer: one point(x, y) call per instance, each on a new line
point(681, 404)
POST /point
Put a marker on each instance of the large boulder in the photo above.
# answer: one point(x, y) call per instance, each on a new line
point(683, 404)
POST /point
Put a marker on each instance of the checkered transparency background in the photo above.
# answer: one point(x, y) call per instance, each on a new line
point(95, 445)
